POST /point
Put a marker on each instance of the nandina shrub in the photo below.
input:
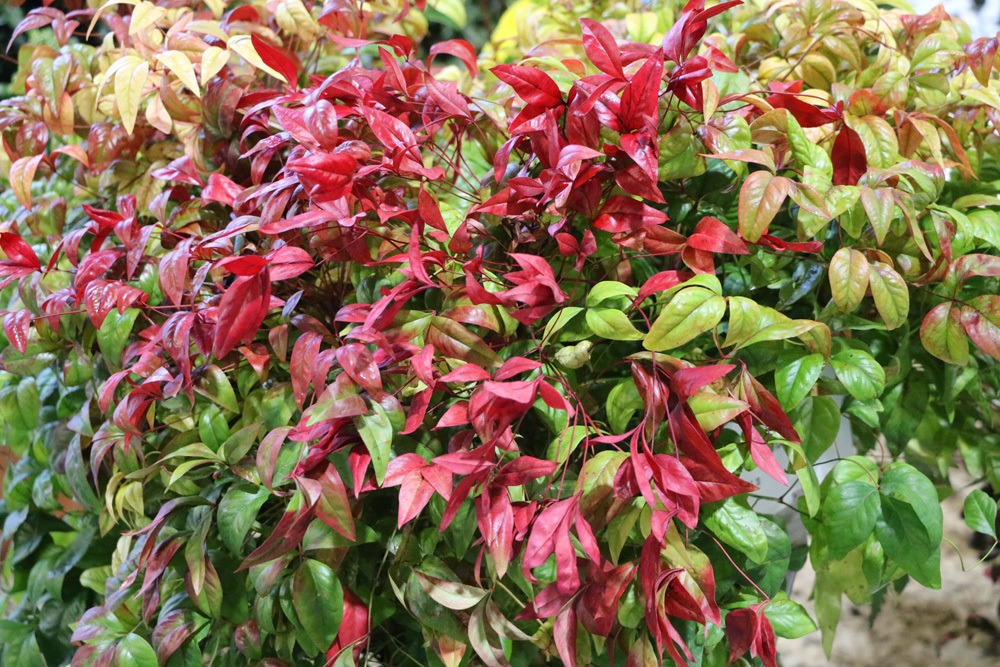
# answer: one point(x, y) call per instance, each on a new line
point(326, 346)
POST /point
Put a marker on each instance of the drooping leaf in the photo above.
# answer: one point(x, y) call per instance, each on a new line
point(980, 512)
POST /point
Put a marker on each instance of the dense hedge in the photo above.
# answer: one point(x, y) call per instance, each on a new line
point(324, 343)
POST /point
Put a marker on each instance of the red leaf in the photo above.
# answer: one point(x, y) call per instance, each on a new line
point(849, 159)
point(685, 34)
point(601, 48)
point(221, 189)
point(18, 251)
point(759, 450)
point(359, 364)
point(466, 373)
point(36, 18)
point(460, 49)
point(766, 408)
point(806, 114)
point(531, 84)
point(516, 366)
point(241, 312)
point(564, 634)
point(524, 469)
point(353, 627)
point(16, 326)
point(92, 266)
point(741, 628)
point(661, 282)
point(277, 59)
point(775, 243)
point(687, 381)
point(244, 265)
point(641, 98)
point(625, 214)
point(288, 262)
point(329, 175)
point(713, 235)
point(644, 150)
point(173, 271)
point(303, 357)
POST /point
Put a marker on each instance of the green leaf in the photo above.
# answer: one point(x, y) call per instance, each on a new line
point(238, 444)
point(809, 481)
point(783, 329)
point(318, 600)
point(713, 410)
point(849, 271)
point(691, 312)
point(375, 430)
point(796, 377)
point(134, 651)
point(910, 528)
point(113, 336)
point(850, 511)
point(612, 324)
point(788, 618)
point(214, 385)
point(817, 420)
point(980, 511)
point(891, 295)
point(738, 526)
point(237, 512)
point(623, 402)
point(860, 374)
point(566, 443)
point(904, 538)
point(609, 289)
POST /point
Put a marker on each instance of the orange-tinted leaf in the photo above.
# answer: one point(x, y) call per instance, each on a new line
point(22, 173)
point(761, 197)
point(849, 271)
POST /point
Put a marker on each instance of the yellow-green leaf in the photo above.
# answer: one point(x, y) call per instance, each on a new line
point(178, 63)
point(848, 278)
point(130, 80)
point(145, 15)
point(691, 312)
point(745, 316)
point(612, 324)
point(892, 298)
point(879, 207)
point(713, 410)
point(453, 10)
point(213, 59)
